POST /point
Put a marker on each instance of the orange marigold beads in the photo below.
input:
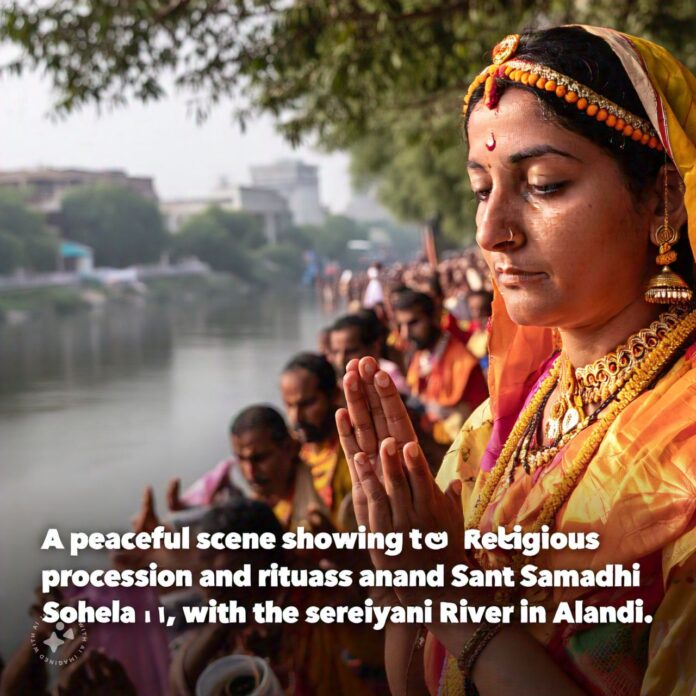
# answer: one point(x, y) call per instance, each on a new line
point(543, 78)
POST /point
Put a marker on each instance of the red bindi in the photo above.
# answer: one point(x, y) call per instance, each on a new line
point(490, 143)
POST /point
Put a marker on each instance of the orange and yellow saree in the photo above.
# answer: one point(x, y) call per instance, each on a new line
point(638, 491)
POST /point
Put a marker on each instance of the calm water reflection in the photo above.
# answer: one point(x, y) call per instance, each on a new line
point(93, 408)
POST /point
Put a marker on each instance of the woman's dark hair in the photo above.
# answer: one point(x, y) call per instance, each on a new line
point(588, 59)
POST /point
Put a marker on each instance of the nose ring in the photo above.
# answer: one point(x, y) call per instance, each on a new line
point(511, 233)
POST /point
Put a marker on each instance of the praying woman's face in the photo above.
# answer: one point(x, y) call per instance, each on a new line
point(564, 239)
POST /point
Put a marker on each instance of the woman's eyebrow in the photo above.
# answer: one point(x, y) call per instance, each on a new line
point(529, 153)
point(539, 151)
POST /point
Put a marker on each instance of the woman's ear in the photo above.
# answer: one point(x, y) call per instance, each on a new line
point(670, 192)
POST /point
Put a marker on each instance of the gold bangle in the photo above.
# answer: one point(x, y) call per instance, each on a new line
point(482, 636)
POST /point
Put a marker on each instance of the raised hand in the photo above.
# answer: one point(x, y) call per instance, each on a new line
point(393, 488)
point(146, 520)
point(375, 412)
point(173, 495)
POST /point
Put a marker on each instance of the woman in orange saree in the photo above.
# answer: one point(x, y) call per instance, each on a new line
point(582, 154)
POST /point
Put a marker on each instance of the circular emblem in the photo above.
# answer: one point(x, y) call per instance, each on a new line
point(505, 49)
point(64, 645)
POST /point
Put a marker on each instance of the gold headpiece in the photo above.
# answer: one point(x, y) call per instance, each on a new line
point(543, 78)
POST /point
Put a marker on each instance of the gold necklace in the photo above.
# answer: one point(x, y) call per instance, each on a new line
point(598, 380)
point(593, 384)
point(643, 375)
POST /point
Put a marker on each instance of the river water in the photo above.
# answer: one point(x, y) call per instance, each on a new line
point(94, 407)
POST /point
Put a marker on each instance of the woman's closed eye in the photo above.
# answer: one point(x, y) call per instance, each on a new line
point(547, 189)
point(481, 194)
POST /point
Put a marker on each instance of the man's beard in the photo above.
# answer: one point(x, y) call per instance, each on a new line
point(309, 432)
point(423, 343)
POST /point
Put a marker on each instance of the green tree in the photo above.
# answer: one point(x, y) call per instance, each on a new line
point(382, 79)
point(221, 238)
point(121, 226)
point(10, 253)
point(283, 262)
point(25, 241)
point(330, 240)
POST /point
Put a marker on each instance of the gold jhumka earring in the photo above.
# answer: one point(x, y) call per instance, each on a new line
point(666, 287)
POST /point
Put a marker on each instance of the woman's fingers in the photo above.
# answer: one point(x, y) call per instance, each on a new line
point(346, 435)
point(368, 368)
point(398, 423)
point(420, 479)
point(378, 507)
point(454, 495)
point(454, 492)
point(351, 449)
point(396, 485)
point(360, 415)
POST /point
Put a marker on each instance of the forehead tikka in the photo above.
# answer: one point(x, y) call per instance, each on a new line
point(541, 77)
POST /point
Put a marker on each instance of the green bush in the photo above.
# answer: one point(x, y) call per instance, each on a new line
point(285, 259)
point(11, 252)
point(225, 240)
point(122, 227)
point(25, 241)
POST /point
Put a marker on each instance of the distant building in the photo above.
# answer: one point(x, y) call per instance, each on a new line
point(298, 183)
point(270, 207)
point(44, 188)
point(364, 207)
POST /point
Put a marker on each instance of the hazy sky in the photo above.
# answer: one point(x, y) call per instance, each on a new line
point(161, 140)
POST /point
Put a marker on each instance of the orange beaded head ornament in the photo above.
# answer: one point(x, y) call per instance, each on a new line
point(543, 78)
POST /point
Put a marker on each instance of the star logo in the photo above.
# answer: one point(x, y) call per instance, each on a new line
point(54, 642)
point(57, 639)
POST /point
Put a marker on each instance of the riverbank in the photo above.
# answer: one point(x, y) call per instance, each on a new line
point(21, 304)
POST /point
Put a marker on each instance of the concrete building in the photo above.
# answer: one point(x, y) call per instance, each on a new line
point(298, 183)
point(44, 189)
point(270, 207)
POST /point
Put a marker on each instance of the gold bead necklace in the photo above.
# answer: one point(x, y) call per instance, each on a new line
point(594, 384)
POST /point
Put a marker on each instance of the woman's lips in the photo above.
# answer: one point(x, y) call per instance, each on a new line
point(510, 276)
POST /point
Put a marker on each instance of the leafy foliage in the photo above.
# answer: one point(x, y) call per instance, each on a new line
point(380, 78)
point(24, 239)
point(223, 239)
point(122, 227)
point(281, 263)
point(330, 240)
